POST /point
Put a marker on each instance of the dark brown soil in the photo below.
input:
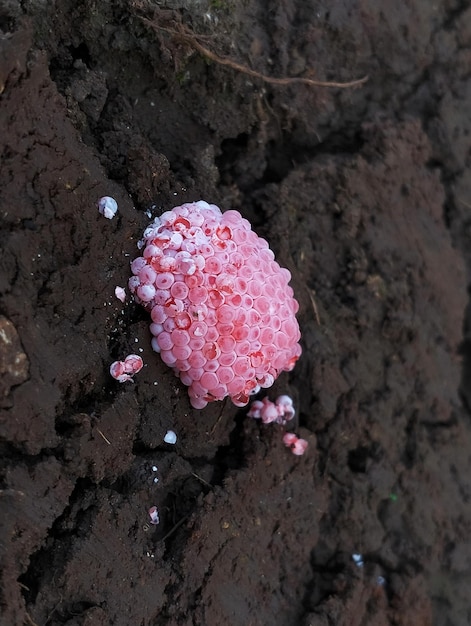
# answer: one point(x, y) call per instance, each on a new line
point(364, 193)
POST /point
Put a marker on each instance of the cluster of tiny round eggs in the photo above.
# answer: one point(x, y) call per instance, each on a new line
point(223, 313)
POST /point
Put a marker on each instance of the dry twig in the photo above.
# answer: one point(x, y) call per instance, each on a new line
point(205, 482)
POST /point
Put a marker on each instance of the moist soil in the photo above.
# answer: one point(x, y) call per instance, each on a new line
point(364, 193)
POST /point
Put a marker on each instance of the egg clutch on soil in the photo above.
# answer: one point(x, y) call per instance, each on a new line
point(223, 313)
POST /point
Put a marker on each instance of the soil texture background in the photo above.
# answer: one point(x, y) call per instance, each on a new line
point(364, 193)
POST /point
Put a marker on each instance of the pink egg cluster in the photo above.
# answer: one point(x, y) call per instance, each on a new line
point(223, 314)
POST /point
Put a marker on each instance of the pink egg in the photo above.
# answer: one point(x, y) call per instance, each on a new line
point(225, 374)
point(240, 236)
point(227, 343)
point(198, 329)
point(211, 318)
point(219, 392)
point(241, 333)
point(147, 274)
point(158, 314)
point(179, 290)
point(186, 377)
point(164, 280)
point(266, 336)
point(216, 298)
point(253, 317)
point(180, 337)
point(224, 329)
point(225, 283)
point(211, 350)
point(165, 341)
point(151, 251)
point(156, 329)
point(182, 365)
point(212, 334)
point(181, 352)
point(198, 295)
point(245, 274)
point(173, 307)
point(232, 218)
point(237, 261)
point(198, 403)
point(227, 358)
point(262, 304)
point(281, 340)
point(269, 352)
point(196, 359)
point(138, 264)
point(196, 343)
point(242, 366)
point(182, 320)
point(167, 357)
point(195, 373)
point(243, 347)
point(254, 333)
point(161, 296)
point(240, 317)
point(169, 324)
point(225, 313)
point(197, 312)
point(247, 302)
point(256, 359)
point(145, 292)
point(236, 385)
point(213, 265)
point(235, 301)
point(209, 380)
point(206, 250)
point(211, 366)
point(194, 280)
point(254, 288)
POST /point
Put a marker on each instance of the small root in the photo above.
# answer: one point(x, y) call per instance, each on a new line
point(219, 417)
point(12, 492)
point(29, 620)
point(314, 306)
point(107, 440)
point(174, 528)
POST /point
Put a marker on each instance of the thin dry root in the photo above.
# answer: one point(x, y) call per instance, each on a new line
point(29, 620)
point(184, 35)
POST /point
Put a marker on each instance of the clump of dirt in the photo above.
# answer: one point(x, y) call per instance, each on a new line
point(363, 193)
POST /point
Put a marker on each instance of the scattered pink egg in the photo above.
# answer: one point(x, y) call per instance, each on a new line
point(123, 371)
point(154, 515)
point(120, 293)
point(280, 411)
point(207, 275)
point(298, 446)
point(108, 207)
